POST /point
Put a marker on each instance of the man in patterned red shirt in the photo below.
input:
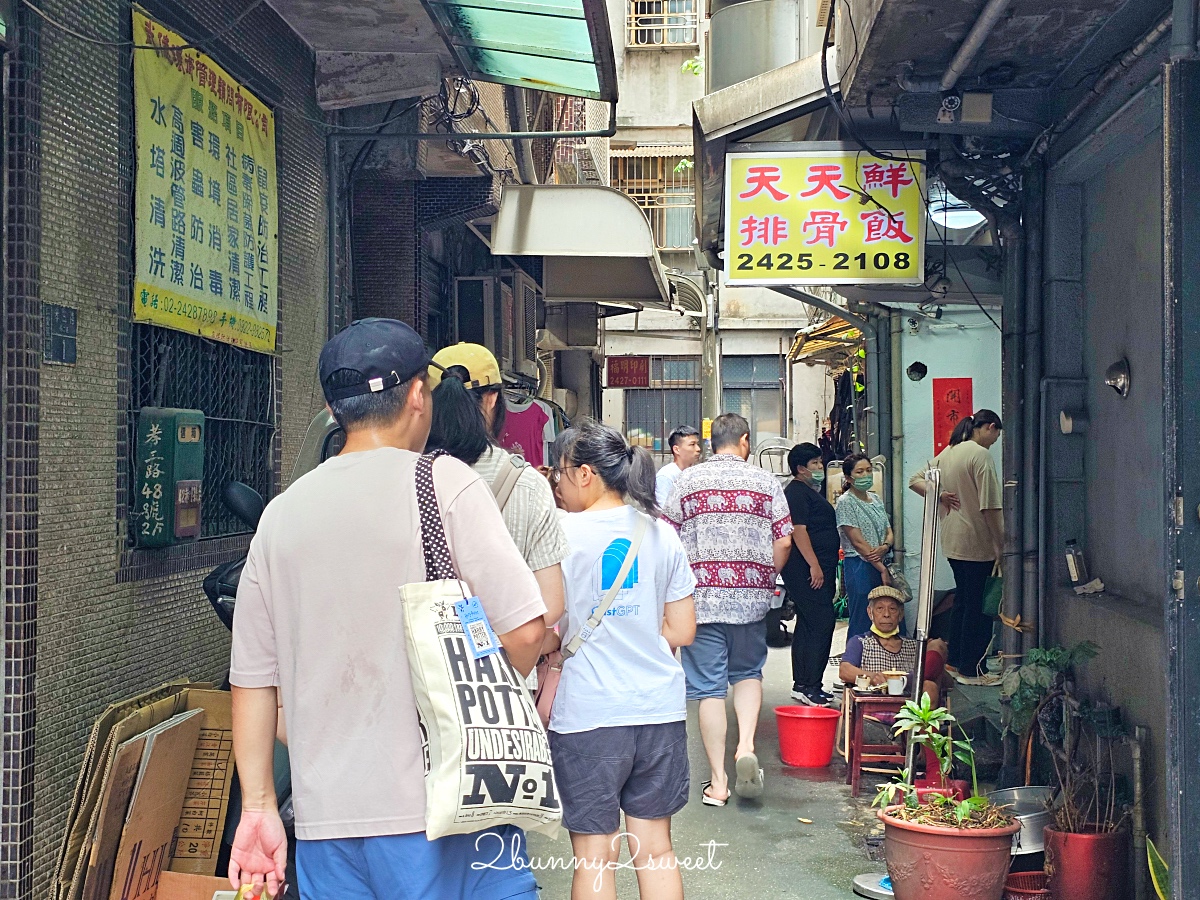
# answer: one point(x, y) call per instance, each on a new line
point(734, 522)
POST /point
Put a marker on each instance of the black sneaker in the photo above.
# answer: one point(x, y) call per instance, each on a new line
point(800, 693)
point(825, 697)
point(811, 696)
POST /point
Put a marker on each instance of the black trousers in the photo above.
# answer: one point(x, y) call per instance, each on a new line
point(815, 620)
point(970, 629)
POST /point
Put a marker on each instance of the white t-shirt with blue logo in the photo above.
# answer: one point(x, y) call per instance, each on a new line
point(625, 673)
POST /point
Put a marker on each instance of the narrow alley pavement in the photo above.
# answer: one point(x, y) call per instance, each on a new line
point(763, 850)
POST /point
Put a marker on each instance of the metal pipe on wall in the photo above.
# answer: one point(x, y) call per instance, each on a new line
point(1183, 31)
point(1012, 382)
point(1043, 557)
point(883, 418)
point(518, 120)
point(973, 42)
point(899, 482)
point(1034, 190)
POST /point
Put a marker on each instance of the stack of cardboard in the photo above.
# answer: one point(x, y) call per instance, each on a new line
point(152, 796)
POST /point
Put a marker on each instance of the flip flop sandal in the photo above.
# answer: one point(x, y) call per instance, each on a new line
point(749, 782)
point(708, 799)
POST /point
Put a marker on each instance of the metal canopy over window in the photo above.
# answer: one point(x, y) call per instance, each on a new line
point(561, 46)
point(828, 341)
point(596, 241)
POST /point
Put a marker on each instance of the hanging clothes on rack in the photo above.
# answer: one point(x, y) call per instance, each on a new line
point(528, 428)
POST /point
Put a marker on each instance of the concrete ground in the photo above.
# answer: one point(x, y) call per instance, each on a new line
point(762, 850)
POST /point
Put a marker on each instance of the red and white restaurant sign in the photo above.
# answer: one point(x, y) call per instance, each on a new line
point(824, 217)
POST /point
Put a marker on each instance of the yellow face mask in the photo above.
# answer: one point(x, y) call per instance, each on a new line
point(889, 634)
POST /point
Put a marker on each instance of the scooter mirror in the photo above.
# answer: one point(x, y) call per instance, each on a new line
point(244, 502)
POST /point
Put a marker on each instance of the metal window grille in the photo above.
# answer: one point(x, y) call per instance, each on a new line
point(672, 399)
point(753, 388)
point(664, 187)
point(235, 390)
point(663, 23)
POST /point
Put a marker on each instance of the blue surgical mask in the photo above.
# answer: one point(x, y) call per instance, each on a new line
point(864, 483)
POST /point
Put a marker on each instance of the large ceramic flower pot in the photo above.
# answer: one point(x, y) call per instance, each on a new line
point(1089, 864)
point(928, 862)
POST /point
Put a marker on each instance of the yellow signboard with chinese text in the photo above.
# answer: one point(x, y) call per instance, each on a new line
point(823, 217)
point(206, 234)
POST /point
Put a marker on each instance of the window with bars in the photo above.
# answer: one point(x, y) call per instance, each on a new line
point(662, 23)
point(753, 389)
point(673, 399)
point(234, 388)
point(664, 187)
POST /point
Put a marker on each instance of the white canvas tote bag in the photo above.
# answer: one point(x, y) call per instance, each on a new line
point(487, 758)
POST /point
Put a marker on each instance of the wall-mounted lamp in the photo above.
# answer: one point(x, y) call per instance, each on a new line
point(1118, 378)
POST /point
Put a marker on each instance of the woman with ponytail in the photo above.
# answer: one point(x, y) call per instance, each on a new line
point(972, 532)
point(618, 730)
point(468, 415)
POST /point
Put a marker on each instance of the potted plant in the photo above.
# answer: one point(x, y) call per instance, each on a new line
point(1025, 687)
point(1087, 846)
point(940, 848)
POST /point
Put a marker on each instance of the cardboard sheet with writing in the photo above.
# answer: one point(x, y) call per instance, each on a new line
point(117, 724)
point(145, 845)
point(206, 803)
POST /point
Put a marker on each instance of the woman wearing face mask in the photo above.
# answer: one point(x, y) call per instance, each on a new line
point(866, 538)
point(810, 573)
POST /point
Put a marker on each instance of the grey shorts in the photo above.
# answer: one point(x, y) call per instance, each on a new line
point(641, 769)
point(722, 655)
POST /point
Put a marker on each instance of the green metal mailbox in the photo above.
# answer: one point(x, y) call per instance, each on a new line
point(170, 474)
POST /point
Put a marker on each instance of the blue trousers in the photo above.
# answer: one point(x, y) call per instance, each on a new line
point(861, 578)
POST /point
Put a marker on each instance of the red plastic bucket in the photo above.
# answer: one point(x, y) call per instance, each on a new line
point(806, 735)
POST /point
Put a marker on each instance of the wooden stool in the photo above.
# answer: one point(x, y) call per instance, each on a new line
point(861, 753)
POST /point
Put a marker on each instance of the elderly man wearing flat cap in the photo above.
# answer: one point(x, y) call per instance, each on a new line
point(319, 617)
point(882, 649)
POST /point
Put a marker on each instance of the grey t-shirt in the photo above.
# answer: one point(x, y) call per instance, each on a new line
point(319, 615)
point(869, 518)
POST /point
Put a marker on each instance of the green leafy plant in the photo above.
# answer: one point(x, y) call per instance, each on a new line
point(1160, 872)
point(684, 165)
point(932, 726)
point(1027, 685)
point(693, 66)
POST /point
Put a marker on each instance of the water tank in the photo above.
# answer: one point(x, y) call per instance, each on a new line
point(750, 37)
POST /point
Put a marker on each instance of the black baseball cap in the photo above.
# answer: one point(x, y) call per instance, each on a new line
point(377, 354)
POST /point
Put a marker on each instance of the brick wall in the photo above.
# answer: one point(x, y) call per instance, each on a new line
point(101, 639)
point(385, 249)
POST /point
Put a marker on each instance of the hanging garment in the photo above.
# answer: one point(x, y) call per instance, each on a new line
point(525, 431)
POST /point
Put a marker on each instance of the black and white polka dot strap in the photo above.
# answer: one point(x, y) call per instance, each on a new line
point(438, 566)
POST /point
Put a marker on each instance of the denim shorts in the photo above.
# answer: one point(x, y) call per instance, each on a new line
point(641, 769)
point(486, 865)
point(722, 655)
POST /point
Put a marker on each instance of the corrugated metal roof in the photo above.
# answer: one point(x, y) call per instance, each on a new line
point(829, 340)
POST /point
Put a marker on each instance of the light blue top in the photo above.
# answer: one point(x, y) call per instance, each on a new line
point(870, 518)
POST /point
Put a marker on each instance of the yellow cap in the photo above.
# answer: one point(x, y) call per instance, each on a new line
point(481, 366)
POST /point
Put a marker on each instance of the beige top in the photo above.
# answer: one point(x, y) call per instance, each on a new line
point(970, 472)
point(319, 615)
point(530, 514)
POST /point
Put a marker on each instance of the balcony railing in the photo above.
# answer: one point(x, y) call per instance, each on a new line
point(663, 23)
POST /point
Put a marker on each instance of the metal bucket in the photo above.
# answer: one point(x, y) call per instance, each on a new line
point(1028, 806)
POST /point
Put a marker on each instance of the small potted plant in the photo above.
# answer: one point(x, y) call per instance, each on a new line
point(941, 848)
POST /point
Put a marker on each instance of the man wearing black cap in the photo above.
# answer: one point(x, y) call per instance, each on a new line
point(319, 617)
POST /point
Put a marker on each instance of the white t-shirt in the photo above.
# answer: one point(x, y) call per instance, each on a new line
point(664, 481)
point(625, 674)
